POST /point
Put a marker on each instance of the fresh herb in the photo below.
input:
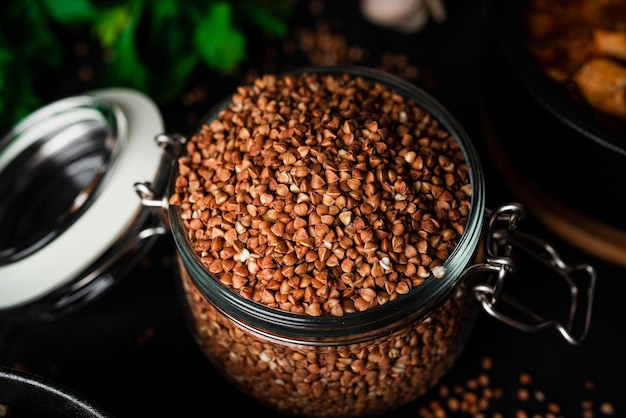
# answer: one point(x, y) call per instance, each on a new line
point(154, 46)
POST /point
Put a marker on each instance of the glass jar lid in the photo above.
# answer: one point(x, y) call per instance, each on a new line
point(68, 204)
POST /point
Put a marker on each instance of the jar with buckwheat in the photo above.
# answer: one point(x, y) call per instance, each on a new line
point(325, 221)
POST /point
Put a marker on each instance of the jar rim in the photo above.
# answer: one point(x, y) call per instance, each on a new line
point(421, 300)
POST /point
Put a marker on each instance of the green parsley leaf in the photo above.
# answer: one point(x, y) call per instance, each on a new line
point(126, 68)
point(219, 43)
point(69, 11)
point(111, 24)
point(270, 16)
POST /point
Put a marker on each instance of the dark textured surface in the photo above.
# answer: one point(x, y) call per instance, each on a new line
point(132, 353)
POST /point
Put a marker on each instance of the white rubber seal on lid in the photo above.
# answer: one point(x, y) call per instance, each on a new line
point(110, 215)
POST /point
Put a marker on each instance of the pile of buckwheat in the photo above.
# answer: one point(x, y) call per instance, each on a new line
point(322, 194)
point(480, 397)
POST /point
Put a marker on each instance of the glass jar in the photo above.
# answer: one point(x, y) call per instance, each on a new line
point(370, 361)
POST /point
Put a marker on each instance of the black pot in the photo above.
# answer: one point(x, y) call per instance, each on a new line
point(559, 101)
point(563, 159)
point(28, 396)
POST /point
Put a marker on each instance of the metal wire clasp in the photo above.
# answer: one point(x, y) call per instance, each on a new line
point(502, 244)
point(151, 195)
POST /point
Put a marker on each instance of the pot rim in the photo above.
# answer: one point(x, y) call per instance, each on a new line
point(31, 394)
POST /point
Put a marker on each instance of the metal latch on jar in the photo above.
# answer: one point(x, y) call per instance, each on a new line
point(171, 145)
point(502, 243)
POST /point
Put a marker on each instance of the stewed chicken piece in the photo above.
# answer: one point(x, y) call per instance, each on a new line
point(582, 42)
point(610, 42)
point(602, 82)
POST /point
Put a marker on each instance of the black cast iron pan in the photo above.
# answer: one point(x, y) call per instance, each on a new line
point(29, 395)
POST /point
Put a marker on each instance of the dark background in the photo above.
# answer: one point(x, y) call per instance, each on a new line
point(132, 353)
